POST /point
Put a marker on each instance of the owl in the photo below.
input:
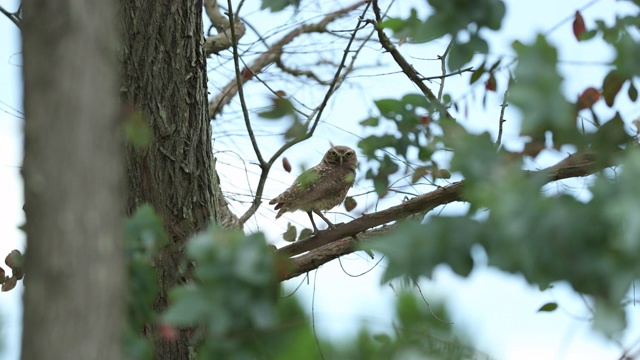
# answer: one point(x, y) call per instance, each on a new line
point(321, 187)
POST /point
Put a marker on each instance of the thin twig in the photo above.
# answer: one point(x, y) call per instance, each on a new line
point(411, 73)
point(443, 62)
point(428, 304)
point(243, 103)
point(502, 120)
point(224, 97)
point(458, 72)
point(332, 87)
point(14, 17)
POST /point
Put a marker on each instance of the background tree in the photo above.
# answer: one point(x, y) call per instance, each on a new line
point(415, 144)
point(74, 303)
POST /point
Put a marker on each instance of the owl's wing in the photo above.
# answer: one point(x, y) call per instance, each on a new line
point(328, 183)
point(305, 183)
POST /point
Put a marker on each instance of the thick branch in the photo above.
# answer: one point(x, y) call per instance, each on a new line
point(331, 244)
point(225, 95)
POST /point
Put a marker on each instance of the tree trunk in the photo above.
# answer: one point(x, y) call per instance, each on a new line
point(73, 175)
point(164, 78)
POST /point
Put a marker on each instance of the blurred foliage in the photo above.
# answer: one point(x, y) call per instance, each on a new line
point(233, 306)
point(453, 17)
point(233, 296)
point(594, 244)
point(15, 262)
point(144, 236)
point(136, 128)
point(235, 310)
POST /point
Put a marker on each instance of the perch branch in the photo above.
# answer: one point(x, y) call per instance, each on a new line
point(331, 244)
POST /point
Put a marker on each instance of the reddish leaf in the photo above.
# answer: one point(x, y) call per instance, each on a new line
point(588, 97)
point(350, 203)
point(9, 284)
point(611, 86)
point(578, 26)
point(247, 74)
point(286, 165)
point(490, 84)
point(168, 332)
point(425, 119)
point(2, 275)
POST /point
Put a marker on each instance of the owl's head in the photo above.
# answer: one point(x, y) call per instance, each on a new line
point(340, 156)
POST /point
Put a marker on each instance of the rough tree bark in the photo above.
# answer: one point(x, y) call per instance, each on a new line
point(164, 77)
point(73, 173)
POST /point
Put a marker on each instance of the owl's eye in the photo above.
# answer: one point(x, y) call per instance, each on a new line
point(334, 154)
point(349, 154)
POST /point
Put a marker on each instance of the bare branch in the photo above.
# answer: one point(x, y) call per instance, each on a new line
point(14, 17)
point(224, 97)
point(223, 40)
point(411, 73)
point(332, 88)
point(502, 120)
point(331, 244)
point(443, 60)
point(243, 103)
point(458, 72)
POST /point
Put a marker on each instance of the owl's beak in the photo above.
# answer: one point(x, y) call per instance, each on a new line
point(341, 158)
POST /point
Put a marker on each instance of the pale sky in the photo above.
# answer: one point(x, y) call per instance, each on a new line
point(497, 310)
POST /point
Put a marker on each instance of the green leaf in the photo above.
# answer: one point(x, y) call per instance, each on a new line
point(420, 172)
point(476, 74)
point(381, 185)
point(628, 52)
point(415, 249)
point(389, 108)
point(188, 306)
point(537, 92)
point(279, 108)
point(278, 5)
point(370, 144)
point(632, 92)
point(296, 131)
point(290, 234)
point(416, 101)
point(371, 121)
point(305, 233)
point(137, 130)
point(609, 319)
point(611, 86)
point(462, 53)
point(548, 307)
point(443, 174)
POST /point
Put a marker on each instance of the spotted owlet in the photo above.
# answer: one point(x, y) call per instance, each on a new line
point(321, 187)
